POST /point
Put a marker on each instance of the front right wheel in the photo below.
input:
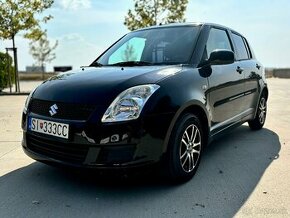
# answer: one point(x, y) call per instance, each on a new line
point(185, 148)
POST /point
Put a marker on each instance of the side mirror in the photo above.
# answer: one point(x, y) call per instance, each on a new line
point(221, 56)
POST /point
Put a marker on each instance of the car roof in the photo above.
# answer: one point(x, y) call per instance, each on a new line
point(170, 25)
point(188, 24)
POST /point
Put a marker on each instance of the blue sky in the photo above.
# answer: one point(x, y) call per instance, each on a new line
point(84, 28)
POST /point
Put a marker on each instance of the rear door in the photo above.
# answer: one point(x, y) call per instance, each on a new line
point(226, 85)
point(250, 67)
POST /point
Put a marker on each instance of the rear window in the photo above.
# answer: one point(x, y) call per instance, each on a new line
point(242, 52)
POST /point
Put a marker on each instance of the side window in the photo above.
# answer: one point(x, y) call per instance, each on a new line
point(242, 53)
point(130, 51)
point(218, 39)
point(250, 53)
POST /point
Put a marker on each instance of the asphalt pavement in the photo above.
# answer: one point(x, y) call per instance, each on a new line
point(243, 174)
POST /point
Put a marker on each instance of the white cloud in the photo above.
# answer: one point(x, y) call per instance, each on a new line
point(73, 4)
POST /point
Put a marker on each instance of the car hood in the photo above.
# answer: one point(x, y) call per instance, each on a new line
point(99, 86)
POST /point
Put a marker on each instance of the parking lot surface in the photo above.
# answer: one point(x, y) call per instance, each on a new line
point(244, 174)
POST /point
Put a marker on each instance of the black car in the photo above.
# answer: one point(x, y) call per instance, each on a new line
point(158, 95)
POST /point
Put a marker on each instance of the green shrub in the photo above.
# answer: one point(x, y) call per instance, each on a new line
point(4, 62)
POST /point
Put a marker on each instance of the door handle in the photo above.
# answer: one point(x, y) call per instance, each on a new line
point(258, 66)
point(239, 70)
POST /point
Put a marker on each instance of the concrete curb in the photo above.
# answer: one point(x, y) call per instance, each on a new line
point(14, 94)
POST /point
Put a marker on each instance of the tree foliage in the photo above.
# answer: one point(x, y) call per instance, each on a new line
point(153, 12)
point(5, 67)
point(129, 53)
point(20, 15)
point(42, 51)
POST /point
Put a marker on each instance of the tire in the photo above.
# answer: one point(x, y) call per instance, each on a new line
point(184, 149)
point(260, 118)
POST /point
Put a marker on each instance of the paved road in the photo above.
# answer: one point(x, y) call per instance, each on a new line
point(244, 174)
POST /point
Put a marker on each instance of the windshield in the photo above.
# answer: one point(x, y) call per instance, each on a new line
point(167, 45)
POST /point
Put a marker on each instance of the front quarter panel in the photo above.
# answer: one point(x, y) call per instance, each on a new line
point(175, 95)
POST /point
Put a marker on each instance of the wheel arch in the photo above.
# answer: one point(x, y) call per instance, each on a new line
point(193, 107)
point(264, 91)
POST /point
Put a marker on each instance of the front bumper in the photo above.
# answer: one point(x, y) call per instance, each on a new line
point(97, 145)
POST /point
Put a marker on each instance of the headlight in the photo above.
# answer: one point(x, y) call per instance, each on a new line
point(129, 104)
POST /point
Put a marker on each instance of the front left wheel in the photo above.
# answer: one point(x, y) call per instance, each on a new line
point(185, 148)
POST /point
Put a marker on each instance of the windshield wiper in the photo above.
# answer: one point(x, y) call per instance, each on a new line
point(131, 63)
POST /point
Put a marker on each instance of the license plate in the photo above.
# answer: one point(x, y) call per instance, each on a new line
point(60, 130)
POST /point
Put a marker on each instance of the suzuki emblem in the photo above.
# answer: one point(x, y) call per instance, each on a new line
point(53, 110)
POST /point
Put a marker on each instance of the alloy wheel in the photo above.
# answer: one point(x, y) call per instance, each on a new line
point(262, 110)
point(190, 148)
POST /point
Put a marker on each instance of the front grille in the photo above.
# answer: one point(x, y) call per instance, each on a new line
point(64, 111)
point(74, 153)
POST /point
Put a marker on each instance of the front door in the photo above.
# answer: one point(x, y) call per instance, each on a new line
point(226, 84)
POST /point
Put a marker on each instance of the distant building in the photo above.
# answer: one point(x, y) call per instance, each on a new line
point(281, 72)
point(62, 68)
point(34, 69)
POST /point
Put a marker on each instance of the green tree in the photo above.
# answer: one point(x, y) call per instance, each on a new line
point(129, 53)
point(153, 12)
point(20, 15)
point(42, 52)
point(5, 68)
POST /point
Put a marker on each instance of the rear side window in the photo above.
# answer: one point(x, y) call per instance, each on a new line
point(250, 52)
point(242, 53)
point(218, 39)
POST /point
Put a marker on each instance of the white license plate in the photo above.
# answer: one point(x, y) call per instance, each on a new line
point(48, 127)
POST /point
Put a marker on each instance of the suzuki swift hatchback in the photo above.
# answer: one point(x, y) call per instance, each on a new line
point(159, 94)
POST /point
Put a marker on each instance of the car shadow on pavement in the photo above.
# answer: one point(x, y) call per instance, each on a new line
point(229, 172)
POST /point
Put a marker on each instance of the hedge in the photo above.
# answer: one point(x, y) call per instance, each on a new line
point(4, 79)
